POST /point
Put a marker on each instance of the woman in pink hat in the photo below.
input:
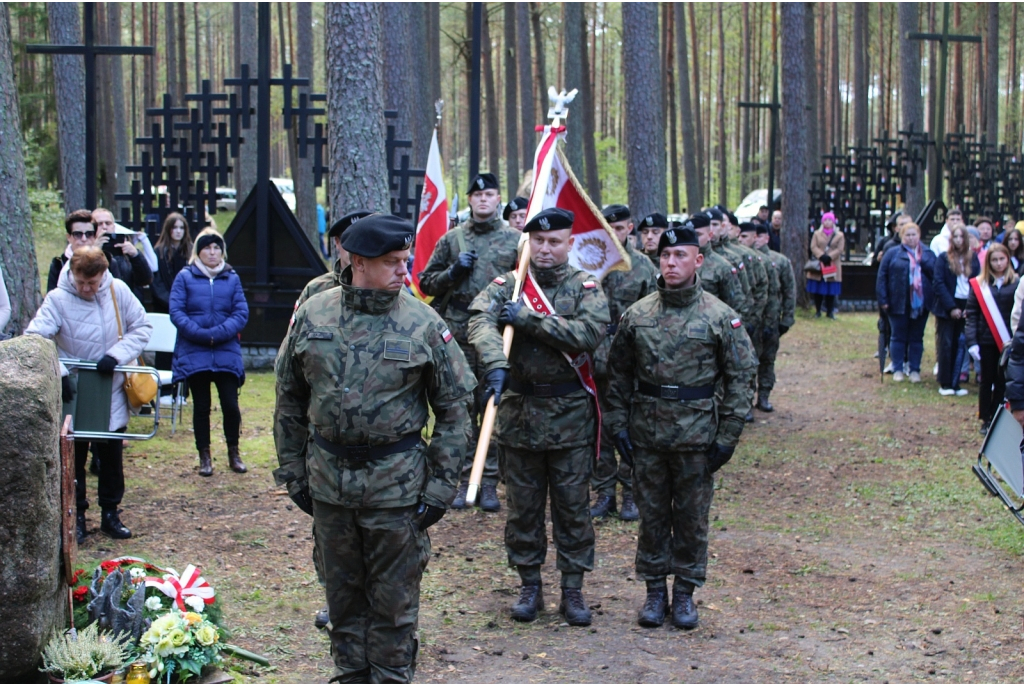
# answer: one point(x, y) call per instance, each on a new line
point(825, 284)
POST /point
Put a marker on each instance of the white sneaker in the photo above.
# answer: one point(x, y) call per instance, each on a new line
point(935, 369)
point(898, 377)
point(166, 401)
point(888, 368)
point(915, 377)
point(960, 392)
point(946, 392)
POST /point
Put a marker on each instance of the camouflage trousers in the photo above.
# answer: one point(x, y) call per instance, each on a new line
point(673, 491)
point(491, 474)
point(373, 561)
point(766, 367)
point(610, 469)
point(530, 475)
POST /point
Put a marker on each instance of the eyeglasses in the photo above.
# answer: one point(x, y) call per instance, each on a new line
point(82, 235)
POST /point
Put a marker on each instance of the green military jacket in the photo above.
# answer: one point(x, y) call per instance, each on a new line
point(622, 289)
point(578, 325)
point(773, 308)
point(365, 367)
point(721, 279)
point(680, 337)
point(736, 261)
point(758, 274)
point(787, 288)
point(496, 246)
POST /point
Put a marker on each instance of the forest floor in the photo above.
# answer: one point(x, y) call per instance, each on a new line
point(849, 542)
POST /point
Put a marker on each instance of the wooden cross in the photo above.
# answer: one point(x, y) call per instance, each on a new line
point(939, 123)
point(89, 50)
point(774, 106)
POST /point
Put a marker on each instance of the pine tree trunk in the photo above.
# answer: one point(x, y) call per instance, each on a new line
point(512, 174)
point(574, 45)
point(697, 113)
point(359, 175)
point(958, 76)
point(1010, 137)
point(106, 153)
point(860, 74)
point(645, 130)
point(171, 50)
point(305, 191)
point(813, 154)
point(69, 91)
point(591, 179)
point(795, 177)
point(117, 173)
point(401, 72)
point(434, 53)
point(195, 42)
point(992, 75)
point(910, 94)
point(147, 63)
point(182, 37)
point(745, 112)
point(17, 250)
point(835, 89)
point(541, 69)
point(668, 16)
point(527, 98)
point(491, 108)
point(723, 136)
point(248, 53)
point(690, 174)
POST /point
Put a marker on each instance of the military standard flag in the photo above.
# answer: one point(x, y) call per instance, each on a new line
point(595, 248)
point(433, 219)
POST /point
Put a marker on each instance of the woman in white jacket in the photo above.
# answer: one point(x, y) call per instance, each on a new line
point(80, 316)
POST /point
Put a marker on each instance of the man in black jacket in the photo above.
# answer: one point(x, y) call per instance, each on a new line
point(126, 261)
point(81, 233)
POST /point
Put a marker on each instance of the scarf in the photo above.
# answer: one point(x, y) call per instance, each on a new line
point(916, 284)
point(210, 273)
point(828, 231)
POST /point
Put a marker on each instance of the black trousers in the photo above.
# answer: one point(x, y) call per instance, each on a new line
point(829, 300)
point(227, 390)
point(948, 332)
point(110, 454)
point(993, 385)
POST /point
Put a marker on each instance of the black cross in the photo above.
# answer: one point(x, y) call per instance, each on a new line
point(773, 107)
point(89, 51)
point(287, 83)
point(206, 98)
point(233, 112)
point(304, 112)
point(167, 112)
point(244, 83)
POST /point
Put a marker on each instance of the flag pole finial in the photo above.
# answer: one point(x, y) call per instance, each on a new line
point(559, 100)
point(438, 107)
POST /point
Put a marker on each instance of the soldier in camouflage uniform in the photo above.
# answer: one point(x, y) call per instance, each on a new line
point(465, 260)
point(717, 276)
point(331, 279)
point(546, 425)
point(650, 229)
point(622, 288)
point(787, 307)
point(364, 364)
point(672, 350)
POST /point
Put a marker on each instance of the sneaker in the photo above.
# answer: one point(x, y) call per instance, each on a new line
point(460, 496)
point(915, 377)
point(888, 368)
point(166, 401)
point(935, 369)
point(960, 392)
point(963, 378)
point(898, 377)
point(946, 392)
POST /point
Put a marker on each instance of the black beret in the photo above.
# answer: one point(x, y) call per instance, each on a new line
point(613, 213)
point(714, 214)
point(516, 205)
point(732, 218)
point(553, 219)
point(206, 239)
point(676, 237)
point(698, 221)
point(377, 235)
point(339, 226)
point(654, 221)
point(747, 226)
point(482, 182)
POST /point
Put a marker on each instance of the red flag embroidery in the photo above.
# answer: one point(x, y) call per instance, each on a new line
point(589, 284)
point(447, 335)
point(736, 323)
point(499, 280)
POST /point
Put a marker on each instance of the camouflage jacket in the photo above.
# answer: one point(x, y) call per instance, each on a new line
point(623, 289)
point(578, 325)
point(773, 308)
point(364, 367)
point(331, 279)
point(758, 274)
point(496, 247)
point(721, 279)
point(787, 289)
point(680, 337)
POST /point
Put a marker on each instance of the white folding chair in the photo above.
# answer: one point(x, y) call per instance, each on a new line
point(162, 340)
point(1000, 466)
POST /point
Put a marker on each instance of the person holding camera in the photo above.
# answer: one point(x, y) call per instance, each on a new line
point(127, 262)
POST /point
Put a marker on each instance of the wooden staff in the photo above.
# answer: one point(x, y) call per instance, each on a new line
point(557, 111)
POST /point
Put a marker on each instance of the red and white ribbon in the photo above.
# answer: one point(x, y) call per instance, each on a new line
point(987, 304)
point(188, 584)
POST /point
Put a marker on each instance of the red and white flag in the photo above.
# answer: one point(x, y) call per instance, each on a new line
point(595, 248)
point(433, 220)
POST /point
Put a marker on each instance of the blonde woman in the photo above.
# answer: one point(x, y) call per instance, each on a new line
point(209, 310)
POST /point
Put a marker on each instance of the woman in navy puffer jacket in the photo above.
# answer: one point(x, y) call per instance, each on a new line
point(209, 310)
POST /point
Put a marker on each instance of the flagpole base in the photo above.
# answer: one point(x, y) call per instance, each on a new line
point(472, 491)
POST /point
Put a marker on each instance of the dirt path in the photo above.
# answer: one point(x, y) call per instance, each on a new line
point(850, 542)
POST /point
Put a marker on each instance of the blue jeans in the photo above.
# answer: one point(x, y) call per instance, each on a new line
point(907, 342)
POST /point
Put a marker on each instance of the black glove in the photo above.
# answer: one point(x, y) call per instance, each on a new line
point(67, 392)
point(462, 266)
point(718, 456)
point(783, 329)
point(825, 260)
point(509, 312)
point(495, 382)
point(625, 447)
point(302, 499)
point(427, 515)
point(106, 365)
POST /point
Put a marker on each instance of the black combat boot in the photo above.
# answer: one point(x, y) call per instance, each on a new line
point(604, 505)
point(460, 497)
point(205, 463)
point(629, 511)
point(323, 617)
point(575, 610)
point(652, 615)
point(749, 418)
point(489, 498)
point(684, 611)
point(80, 527)
point(531, 600)
point(111, 525)
point(762, 402)
point(235, 460)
